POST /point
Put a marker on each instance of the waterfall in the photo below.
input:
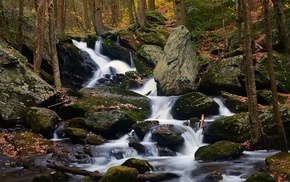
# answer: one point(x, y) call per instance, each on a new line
point(105, 64)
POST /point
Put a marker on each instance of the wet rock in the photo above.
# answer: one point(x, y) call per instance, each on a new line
point(120, 173)
point(68, 155)
point(141, 165)
point(165, 151)
point(42, 178)
point(141, 149)
point(214, 176)
point(218, 151)
point(234, 128)
point(91, 151)
point(94, 139)
point(177, 72)
point(235, 103)
point(141, 128)
point(42, 120)
point(108, 111)
point(77, 135)
point(194, 105)
point(168, 136)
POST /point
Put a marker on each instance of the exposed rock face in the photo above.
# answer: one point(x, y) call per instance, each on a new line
point(151, 53)
point(42, 120)
point(20, 88)
point(177, 72)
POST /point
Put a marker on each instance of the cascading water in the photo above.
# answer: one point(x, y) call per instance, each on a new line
point(115, 152)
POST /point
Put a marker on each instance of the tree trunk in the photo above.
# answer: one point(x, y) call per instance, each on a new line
point(239, 19)
point(131, 10)
point(141, 16)
point(85, 15)
point(52, 44)
point(255, 125)
point(179, 10)
point(1, 14)
point(98, 21)
point(20, 23)
point(151, 4)
point(61, 16)
point(39, 36)
point(282, 26)
point(281, 131)
point(113, 12)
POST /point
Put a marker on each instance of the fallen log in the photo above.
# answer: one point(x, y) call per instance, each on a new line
point(96, 176)
point(74, 170)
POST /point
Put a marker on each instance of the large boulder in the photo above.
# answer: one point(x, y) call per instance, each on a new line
point(168, 136)
point(194, 105)
point(42, 120)
point(226, 75)
point(120, 173)
point(108, 111)
point(151, 53)
point(219, 150)
point(141, 165)
point(20, 88)
point(177, 72)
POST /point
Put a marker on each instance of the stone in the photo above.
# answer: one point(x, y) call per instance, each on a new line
point(218, 151)
point(177, 72)
point(42, 120)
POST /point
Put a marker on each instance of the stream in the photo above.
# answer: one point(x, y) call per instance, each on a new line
point(115, 152)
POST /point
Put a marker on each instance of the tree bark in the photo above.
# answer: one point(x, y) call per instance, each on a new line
point(20, 23)
point(61, 16)
point(179, 11)
point(141, 16)
point(282, 26)
point(131, 10)
point(85, 15)
point(255, 125)
point(52, 42)
point(97, 19)
point(151, 4)
point(39, 36)
point(113, 12)
point(281, 131)
point(1, 14)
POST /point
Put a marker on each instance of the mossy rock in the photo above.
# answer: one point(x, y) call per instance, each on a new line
point(235, 103)
point(151, 53)
point(224, 76)
point(279, 164)
point(120, 174)
point(77, 135)
point(260, 176)
point(218, 151)
point(42, 120)
point(233, 128)
point(60, 177)
point(265, 97)
point(281, 67)
point(141, 128)
point(194, 105)
point(42, 178)
point(155, 16)
point(141, 165)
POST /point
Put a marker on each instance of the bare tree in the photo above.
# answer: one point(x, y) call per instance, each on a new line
point(131, 9)
point(256, 132)
point(97, 17)
point(85, 14)
point(20, 23)
point(61, 16)
point(113, 12)
point(141, 16)
point(179, 10)
point(281, 131)
point(39, 36)
point(52, 44)
point(151, 4)
point(282, 26)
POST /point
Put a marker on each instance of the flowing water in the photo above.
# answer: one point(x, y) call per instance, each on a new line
point(115, 152)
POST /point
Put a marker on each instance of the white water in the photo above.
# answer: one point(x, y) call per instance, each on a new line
point(116, 152)
point(106, 66)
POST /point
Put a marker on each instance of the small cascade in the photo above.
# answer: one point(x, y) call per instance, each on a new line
point(106, 66)
point(132, 64)
point(223, 110)
point(118, 41)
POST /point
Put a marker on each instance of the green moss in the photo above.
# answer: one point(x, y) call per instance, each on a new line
point(279, 163)
point(141, 165)
point(120, 174)
point(219, 150)
point(42, 178)
point(260, 176)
